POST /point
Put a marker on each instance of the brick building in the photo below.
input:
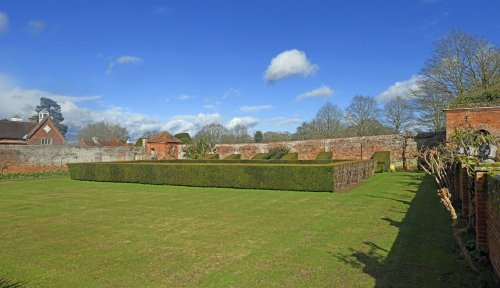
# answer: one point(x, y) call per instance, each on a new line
point(18, 132)
point(164, 146)
point(486, 119)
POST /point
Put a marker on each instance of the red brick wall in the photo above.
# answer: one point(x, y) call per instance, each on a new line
point(481, 215)
point(493, 215)
point(480, 118)
point(343, 148)
point(54, 134)
point(163, 151)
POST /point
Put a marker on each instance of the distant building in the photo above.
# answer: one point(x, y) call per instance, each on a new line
point(163, 146)
point(18, 132)
point(484, 119)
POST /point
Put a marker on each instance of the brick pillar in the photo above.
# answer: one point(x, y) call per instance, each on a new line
point(464, 190)
point(481, 210)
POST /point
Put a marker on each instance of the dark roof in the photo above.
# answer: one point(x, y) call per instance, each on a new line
point(163, 138)
point(15, 129)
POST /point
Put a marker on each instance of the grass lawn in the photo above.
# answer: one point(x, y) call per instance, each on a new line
point(389, 232)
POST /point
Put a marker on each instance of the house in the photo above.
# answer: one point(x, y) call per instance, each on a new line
point(18, 132)
point(95, 142)
point(485, 119)
point(163, 146)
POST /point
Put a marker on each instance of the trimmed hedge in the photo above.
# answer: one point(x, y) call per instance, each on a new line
point(261, 156)
point(324, 156)
point(239, 161)
point(277, 177)
point(290, 156)
point(210, 157)
point(383, 159)
point(299, 177)
point(233, 157)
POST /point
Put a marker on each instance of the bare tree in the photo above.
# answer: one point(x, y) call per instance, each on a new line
point(430, 102)
point(363, 114)
point(240, 134)
point(103, 131)
point(398, 114)
point(326, 124)
point(215, 133)
point(462, 63)
point(277, 136)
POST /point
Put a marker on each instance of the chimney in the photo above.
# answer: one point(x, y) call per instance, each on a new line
point(42, 115)
point(32, 120)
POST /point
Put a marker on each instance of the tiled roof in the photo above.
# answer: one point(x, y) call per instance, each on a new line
point(15, 130)
point(163, 138)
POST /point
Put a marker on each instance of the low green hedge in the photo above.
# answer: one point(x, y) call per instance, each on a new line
point(327, 177)
point(290, 156)
point(383, 159)
point(261, 156)
point(324, 156)
point(239, 161)
point(210, 157)
point(233, 157)
point(254, 176)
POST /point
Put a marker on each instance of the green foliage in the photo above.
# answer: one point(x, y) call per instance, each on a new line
point(34, 175)
point(184, 137)
point(55, 113)
point(324, 156)
point(383, 159)
point(201, 146)
point(478, 97)
point(274, 177)
point(258, 137)
point(210, 157)
point(290, 156)
point(277, 152)
point(138, 142)
point(261, 156)
point(233, 157)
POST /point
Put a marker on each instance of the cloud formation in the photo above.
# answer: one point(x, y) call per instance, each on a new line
point(288, 63)
point(4, 22)
point(125, 59)
point(18, 100)
point(255, 108)
point(245, 121)
point(321, 92)
point(36, 26)
point(402, 88)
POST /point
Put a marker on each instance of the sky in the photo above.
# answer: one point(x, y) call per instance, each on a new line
point(179, 65)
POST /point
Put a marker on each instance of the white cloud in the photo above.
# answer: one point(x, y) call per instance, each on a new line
point(402, 89)
point(185, 97)
point(231, 92)
point(255, 108)
point(321, 92)
point(288, 63)
point(18, 100)
point(4, 22)
point(36, 26)
point(283, 121)
point(245, 121)
point(123, 60)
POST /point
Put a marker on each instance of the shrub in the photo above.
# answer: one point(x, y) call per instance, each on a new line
point(210, 157)
point(254, 176)
point(290, 156)
point(233, 157)
point(383, 159)
point(277, 152)
point(201, 146)
point(184, 137)
point(324, 156)
point(261, 156)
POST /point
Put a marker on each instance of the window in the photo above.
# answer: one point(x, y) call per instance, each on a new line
point(46, 141)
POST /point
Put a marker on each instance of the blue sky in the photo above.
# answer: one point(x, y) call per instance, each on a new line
point(178, 65)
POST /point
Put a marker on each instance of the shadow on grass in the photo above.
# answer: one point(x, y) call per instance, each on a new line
point(6, 283)
point(424, 253)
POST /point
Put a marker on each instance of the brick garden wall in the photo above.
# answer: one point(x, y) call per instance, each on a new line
point(493, 221)
point(27, 158)
point(486, 118)
point(353, 148)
